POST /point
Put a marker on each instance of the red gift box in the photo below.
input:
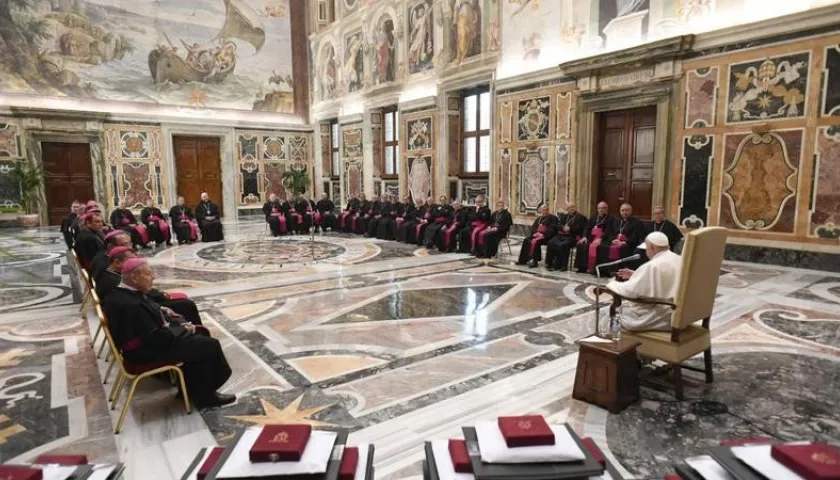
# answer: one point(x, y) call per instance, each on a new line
point(61, 460)
point(209, 462)
point(526, 431)
point(20, 472)
point(816, 461)
point(673, 476)
point(280, 443)
point(594, 450)
point(740, 442)
point(349, 463)
point(460, 457)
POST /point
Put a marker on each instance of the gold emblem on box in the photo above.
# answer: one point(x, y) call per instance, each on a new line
point(281, 437)
point(823, 458)
point(524, 425)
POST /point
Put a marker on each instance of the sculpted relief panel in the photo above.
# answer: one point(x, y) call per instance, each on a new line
point(769, 89)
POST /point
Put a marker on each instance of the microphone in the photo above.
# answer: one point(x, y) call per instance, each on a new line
point(598, 285)
point(620, 261)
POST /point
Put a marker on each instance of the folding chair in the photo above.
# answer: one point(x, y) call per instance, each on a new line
point(136, 372)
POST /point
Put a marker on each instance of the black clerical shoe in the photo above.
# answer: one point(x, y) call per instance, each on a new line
point(215, 400)
point(532, 264)
point(550, 268)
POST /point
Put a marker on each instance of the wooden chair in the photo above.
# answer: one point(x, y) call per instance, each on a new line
point(695, 299)
point(136, 372)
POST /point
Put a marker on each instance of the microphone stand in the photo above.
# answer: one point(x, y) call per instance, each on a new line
point(598, 288)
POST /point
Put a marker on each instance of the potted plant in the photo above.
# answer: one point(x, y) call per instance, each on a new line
point(29, 179)
point(296, 180)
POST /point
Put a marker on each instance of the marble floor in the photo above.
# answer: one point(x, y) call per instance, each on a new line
point(399, 345)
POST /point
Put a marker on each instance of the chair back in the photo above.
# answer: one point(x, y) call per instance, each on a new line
point(702, 257)
point(115, 352)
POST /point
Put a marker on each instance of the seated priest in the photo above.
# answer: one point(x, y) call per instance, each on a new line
point(571, 227)
point(409, 219)
point(658, 278)
point(379, 211)
point(110, 279)
point(662, 224)
point(404, 211)
point(447, 240)
point(147, 335)
point(113, 239)
point(441, 216)
point(90, 239)
point(348, 217)
point(543, 230)
point(479, 220)
point(629, 234)
point(122, 218)
point(209, 220)
point(488, 241)
point(370, 208)
point(304, 208)
point(67, 223)
point(415, 235)
point(183, 222)
point(386, 225)
point(274, 216)
point(156, 225)
point(325, 208)
point(598, 230)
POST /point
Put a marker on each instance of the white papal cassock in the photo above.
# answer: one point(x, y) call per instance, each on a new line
point(657, 278)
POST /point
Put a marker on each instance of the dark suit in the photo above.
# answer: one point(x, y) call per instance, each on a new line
point(145, 336)
point(559, 247)
point(88, 243)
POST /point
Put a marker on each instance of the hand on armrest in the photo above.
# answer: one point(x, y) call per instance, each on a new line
point(645, 300)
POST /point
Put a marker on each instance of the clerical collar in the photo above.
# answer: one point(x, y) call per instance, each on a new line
point(127, 287)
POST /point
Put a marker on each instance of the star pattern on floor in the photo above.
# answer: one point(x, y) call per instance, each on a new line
point(291, 413)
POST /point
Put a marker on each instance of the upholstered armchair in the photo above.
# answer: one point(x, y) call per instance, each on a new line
point(702, 257)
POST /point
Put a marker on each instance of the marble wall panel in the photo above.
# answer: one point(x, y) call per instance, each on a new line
point(420, 176)
point(563, 109)
point(470, 189)
point(825, 209)
point(352, 159)
point(11, 152)
point(261, 158)
point(701, 93)
point(532, 167)
point(830, 98)
point(562, 155)
point(697, 160)
point(759, 180)
point(353, 177)
point(273, 179)
point(504, 174)
point(326, 149)
point(505, 122)
point(768, 88)
point(420, 133)
point(135, 171)
point(453, 126)
point(377, 134)
point(533, 118)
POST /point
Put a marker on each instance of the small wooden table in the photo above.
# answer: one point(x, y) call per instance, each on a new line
point(607, 374)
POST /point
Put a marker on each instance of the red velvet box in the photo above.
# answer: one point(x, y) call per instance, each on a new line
point(20, 472)
point(816, 461)
point(209, 462)
point(526, 431)
point(673, 476)
point(61, 460)
point(459, 455)
point(280, 443)
point(740, 442)
point(594, 450)
point(349, 463)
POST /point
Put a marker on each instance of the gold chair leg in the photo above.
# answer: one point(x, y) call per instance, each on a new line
point(96, 335)
point(101, 348)
point(184, 393)
point(107, 372)
point(127, 404)
point(116, 391)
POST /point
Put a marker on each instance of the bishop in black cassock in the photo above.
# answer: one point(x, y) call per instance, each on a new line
point(447, 240)
point(479, 220)
point(183, 222)
point(441, 216)
point(489, 238)
point(325, 208)
point(209, 220)
point(543, 230)
point(156, 225)
point(571, 227)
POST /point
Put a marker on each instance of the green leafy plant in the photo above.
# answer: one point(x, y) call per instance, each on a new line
point(296, 180)
point(29, 179)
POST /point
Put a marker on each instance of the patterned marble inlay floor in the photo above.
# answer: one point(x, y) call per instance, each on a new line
point(398, 345)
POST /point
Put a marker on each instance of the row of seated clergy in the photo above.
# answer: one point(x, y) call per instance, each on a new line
point(298, 215)
point(150, 335)
point(152, 226)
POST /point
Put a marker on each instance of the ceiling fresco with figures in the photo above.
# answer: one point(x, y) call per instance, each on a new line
point(223, 54)
point(379, 42)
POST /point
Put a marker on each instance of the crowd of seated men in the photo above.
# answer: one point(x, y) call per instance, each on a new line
point(449, 227)
point(150, 327)
point(600, 239)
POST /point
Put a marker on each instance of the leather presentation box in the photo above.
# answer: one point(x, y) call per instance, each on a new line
point(526, 431)
point(281, 443)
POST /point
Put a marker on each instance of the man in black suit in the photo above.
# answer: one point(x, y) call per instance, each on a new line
point(90, 239)
point(145, 334)
point(572, 224)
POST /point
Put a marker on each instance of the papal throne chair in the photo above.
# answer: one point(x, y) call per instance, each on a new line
point(702, 256)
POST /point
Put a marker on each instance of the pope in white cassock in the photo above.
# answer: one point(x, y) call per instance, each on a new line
point(657, 278)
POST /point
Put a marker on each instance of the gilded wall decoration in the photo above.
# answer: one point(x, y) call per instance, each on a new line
point(135, 169)
point(504, 174)
point(563, 124)
point(825, 211)
point(772, 88)
point(353, 68)
point(758, 190)
point(353, 178)
point(274, 148)
point(533, 118)
point(505, 121)
point(351, 143)
point(10, 141)
point(831, 82)
point(701, 97)
point(421, 41)
point(420, 176)
point(420, 133)
point(298, 149)
point(533, 169)
point(561, 176)
point(697, 160)
point(247, 146)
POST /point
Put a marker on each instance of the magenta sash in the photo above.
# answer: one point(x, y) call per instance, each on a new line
point(355, 221)
point(477, 227)
point(447, 233)
point(317, 218)
point(163, 226)
point(144, 234)
point(399, 221)
point(440, 219)
point(597, 232)
point(193, 227)
point(615, 250)
point(281, 219)
point(298, 217)
point(125, 221)
point(538, 237)
point(342, 219)
point(417, 229)
point(482, 236)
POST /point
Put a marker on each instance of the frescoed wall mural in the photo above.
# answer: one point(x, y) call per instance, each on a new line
point(232, 54)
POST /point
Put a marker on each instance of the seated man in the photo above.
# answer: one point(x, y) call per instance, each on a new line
point(441, 216)
point(67, 224)
point(415, 235)
point(447, 240)
point(158, 229)
point(208, 215)
point(658, 278)
point(325, 208)
point(123, 219)
point(598, 232)
point(410, 218)
point(183, 222)
point(571, 229)
point(114, 238)
point(369, 210)
point(488, 240)
point(347, 218)
point(387, 224)
point(543, 230)
point(662, 224)
point(146, 335)
point(90, 240)
point(304, 208)
point(479, 220)
point(274, 216)
point(380, 210)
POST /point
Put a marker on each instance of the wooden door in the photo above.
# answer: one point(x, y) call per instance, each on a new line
point(625, 152)
point(198, 164)
point(68, 176)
